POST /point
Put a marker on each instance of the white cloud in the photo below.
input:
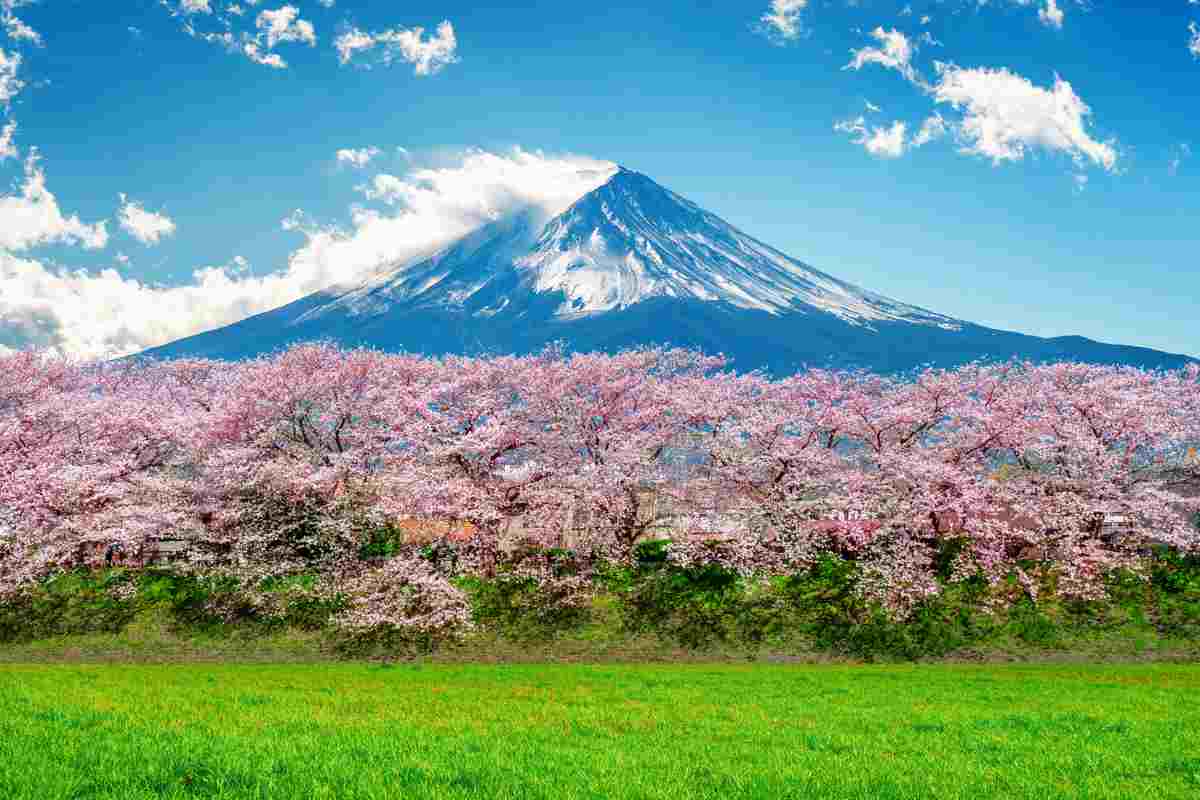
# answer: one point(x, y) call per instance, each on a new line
point(1005, 115)
point(10, 84)
point(357, 157)
point(33, 218)
point(194, 7)
point(284, 25)
point(1080, 180)
point(7, 148)
point(104, 314)
point(890, 141)
point(782, 20)
point(387, 188)
point(327, 3)
point(1194, 42)
point(272, 27)
point(874, 109)
point(1051, 15)
point(148, 227)
point(225, 39)
point(351, 42)
point(255, 54)
point(428, 56)
point(1002, 114)
point(934, 127)
point(16, 29)
point(1049, 11)
point(896, 53)
point(883, 142)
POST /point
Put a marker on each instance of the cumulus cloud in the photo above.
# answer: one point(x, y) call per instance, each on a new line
point(351, 42)
point(7, 148)
point(386, 188)
point(148, 227)
point(359, 157)
point(255, 53)
point(33, 217)
point(103, 313)
point(1000, 115)
point(890, 141)
point(1051, 15)
point(934, 127)
point(428, 56)
point(1049, 11)
point(10, 84)
point(14, 27)
point(284, 25)
point(886, 142)
point(896, 53)
point(226, 28)
point(1194, 41)
point(1004, 115)
point(194, 7)
point(781, 21)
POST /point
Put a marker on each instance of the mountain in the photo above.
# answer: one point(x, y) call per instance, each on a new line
point(632, 263)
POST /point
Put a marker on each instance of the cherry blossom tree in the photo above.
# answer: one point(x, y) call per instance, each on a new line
point(1053, 474)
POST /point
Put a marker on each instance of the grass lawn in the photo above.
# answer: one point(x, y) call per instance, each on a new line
point(619, 731)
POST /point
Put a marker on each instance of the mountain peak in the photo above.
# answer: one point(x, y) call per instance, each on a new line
point(630, 186)
point(632, 239)
point(629, 263)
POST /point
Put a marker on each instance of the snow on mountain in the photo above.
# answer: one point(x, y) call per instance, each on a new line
point(631, 263)
point(625, 242)
point(631, 239)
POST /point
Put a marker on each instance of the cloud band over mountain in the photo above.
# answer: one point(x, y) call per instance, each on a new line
point(100, 313)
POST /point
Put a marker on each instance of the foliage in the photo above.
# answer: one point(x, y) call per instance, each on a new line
point(704, 609)
point(526, 480)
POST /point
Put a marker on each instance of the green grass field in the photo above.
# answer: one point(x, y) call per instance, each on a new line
point(620, 731)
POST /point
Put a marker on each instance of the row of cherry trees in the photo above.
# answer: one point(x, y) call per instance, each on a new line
point(291, 462)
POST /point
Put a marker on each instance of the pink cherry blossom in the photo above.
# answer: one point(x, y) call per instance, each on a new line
point(290, 463)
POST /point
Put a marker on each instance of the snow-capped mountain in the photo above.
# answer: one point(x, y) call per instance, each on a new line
point(627, 264)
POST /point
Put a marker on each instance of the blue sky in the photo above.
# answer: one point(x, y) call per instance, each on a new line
point(1027, 213)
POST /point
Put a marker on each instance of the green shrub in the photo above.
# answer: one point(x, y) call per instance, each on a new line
point(696, 608)
point(382, 542)
point(518, 609)
point(68, 603)
point(1033, 626)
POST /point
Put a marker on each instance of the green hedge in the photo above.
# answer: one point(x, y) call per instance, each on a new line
point(695, 609)
point(105, 601)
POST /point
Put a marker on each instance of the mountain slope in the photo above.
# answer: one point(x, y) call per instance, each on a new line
point(627, 264)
